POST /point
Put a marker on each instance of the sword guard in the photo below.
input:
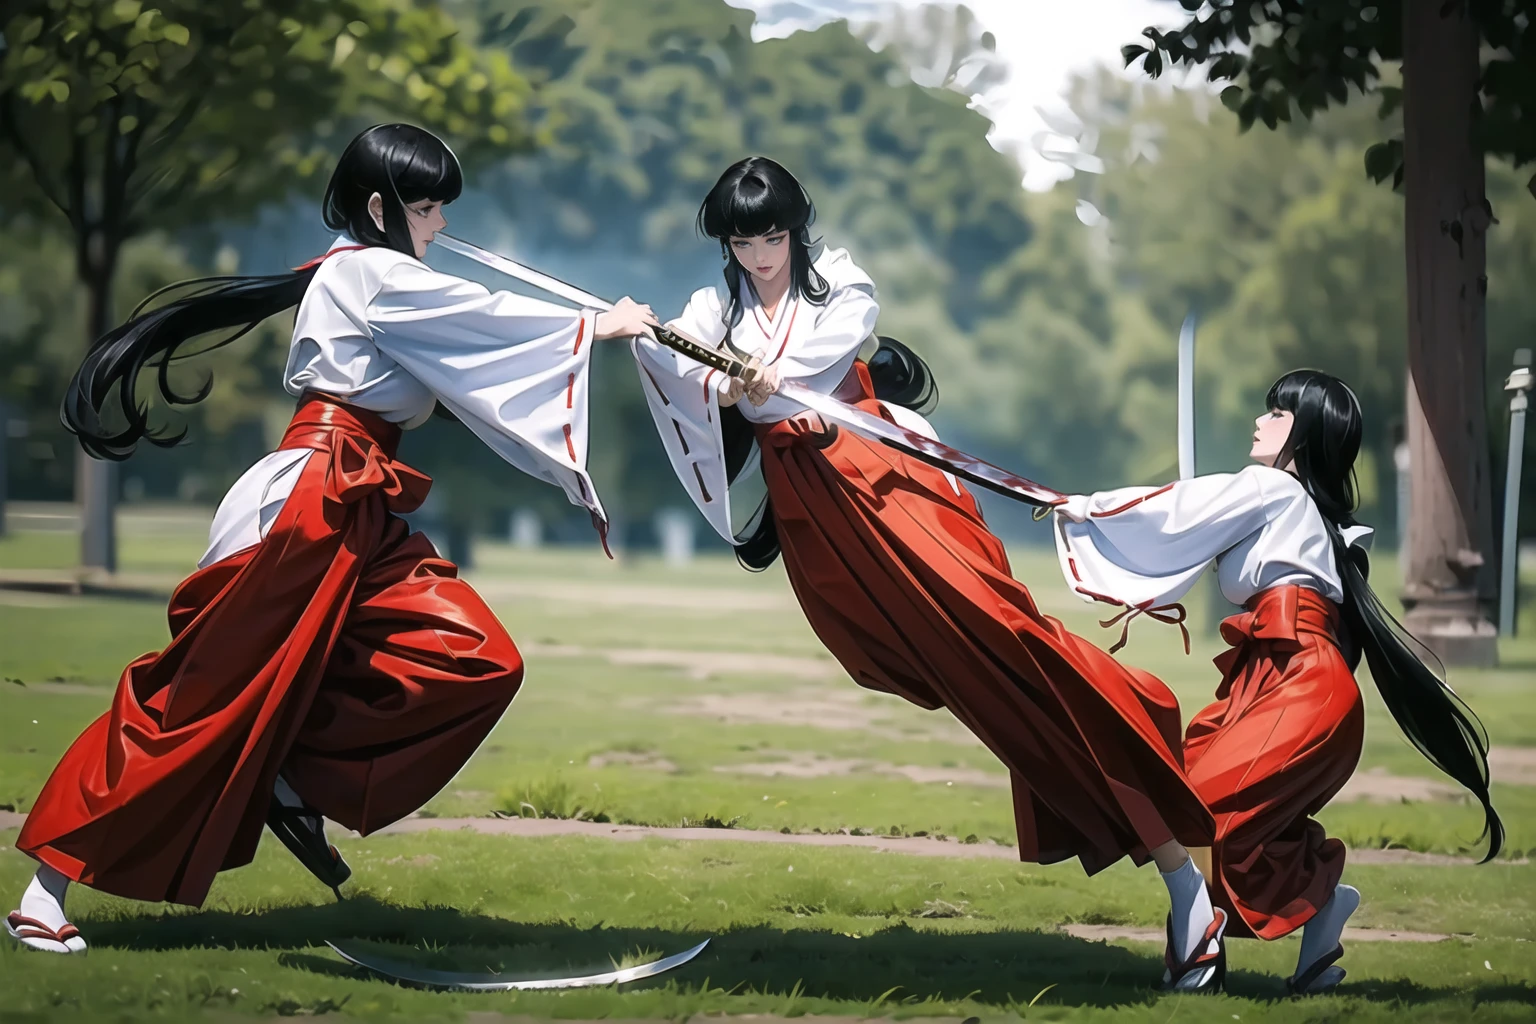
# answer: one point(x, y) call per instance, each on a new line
point(1041, 511)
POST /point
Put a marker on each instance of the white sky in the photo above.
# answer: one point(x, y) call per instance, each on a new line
point(1041, 41)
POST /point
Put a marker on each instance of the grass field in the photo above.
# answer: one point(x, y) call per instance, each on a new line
point(699, 696)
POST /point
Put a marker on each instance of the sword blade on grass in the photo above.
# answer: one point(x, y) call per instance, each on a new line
point(494, 982)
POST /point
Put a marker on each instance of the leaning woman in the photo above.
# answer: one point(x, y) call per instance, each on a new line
point(890, 559)
point(324, 661)
point(1286, 730)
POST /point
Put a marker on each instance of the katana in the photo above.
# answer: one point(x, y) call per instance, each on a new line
point(494, 982)
point(924, 449)
point(1187, 398)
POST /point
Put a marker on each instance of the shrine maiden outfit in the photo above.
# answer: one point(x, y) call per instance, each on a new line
point(1286, 729)
point(907, 588)
point(319, 636)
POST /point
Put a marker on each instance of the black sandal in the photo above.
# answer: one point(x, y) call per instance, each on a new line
point(1301, 984)
point(300, 830)
point(1201, 958)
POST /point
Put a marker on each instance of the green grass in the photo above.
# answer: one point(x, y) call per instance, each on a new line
point(830, 937)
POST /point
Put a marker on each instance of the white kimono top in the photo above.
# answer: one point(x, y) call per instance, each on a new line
point(813, 344)
point(382, 331)
point(1144, 547)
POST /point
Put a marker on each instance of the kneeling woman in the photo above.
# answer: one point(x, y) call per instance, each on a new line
point(1286, 730)
point(891, 561)
point(324, 660)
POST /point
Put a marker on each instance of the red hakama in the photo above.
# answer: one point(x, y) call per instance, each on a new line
point(1283, 737)
point(341, 651)
point(901, 580)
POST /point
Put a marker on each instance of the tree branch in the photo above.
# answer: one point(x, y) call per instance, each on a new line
point(172, 131)
point(12, 129)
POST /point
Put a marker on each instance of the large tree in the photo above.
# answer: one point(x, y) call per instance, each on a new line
point(118, 119)
point(1467, 75)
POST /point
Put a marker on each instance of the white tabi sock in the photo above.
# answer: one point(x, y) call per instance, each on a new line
point(1323, 932)
point(44, 899)
point(1192, 913)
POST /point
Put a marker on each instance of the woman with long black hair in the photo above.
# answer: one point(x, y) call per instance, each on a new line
point(1286, 730)
point(324, 661)
point(892, 563)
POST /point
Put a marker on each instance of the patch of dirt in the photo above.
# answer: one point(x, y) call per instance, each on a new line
point(488, 1017)
point(699, 664)
point(1513, 766)
point(800, 765)
point(1377, 786)
point(630, 759)
point(619, 595)
point(75, 689)
point(1414, 857)
point(1113, 932)
point(840, 710)
point(824, 709)
point(539, 827)
point(919, 846)
point(421, 861)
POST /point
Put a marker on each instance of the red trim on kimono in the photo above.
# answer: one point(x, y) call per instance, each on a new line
point(325, 256)
point(1132, 503)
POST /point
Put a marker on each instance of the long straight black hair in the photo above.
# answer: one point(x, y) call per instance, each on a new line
point(402, 163)
point(758, 196)
point(1322, 446)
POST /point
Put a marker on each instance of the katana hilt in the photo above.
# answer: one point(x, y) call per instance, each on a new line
point(714, 358)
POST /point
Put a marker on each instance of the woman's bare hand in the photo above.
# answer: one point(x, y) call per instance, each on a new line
point(627, 319)
point(763, 385)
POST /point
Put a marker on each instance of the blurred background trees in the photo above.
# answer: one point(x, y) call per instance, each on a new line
point(1050, 318)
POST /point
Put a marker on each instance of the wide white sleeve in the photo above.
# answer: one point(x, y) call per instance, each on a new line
point(841, 327)
point(513, 369)
point(1146, 546)
point(683, 397)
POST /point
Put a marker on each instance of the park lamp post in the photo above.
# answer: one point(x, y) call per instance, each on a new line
point(1519, 383)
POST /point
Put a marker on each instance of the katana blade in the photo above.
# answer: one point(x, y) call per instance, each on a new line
point(713, 358)
point(1186, 396)
point(494, 982)
point(924, 449)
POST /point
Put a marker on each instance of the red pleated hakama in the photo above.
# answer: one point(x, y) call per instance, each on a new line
point(901, 580)
point(341, 650)
point(1282, 738)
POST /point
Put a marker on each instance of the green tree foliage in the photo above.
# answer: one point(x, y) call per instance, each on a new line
point(1303, 56)
point(42, 338)
point(117, 118)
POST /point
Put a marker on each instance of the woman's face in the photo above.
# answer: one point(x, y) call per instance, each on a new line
point(424, 219)
point(1270, 432)
point(765, 257)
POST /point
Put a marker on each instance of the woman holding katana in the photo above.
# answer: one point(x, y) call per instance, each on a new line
point(325, 662)
point(1286, 730)
point(891, 561)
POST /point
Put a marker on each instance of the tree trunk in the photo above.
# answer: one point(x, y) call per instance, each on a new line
point(1449, 586)
point(96, 480)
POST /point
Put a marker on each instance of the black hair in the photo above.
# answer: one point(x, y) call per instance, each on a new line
point(402, 163)
point(1322, 445)
point(757, 196)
